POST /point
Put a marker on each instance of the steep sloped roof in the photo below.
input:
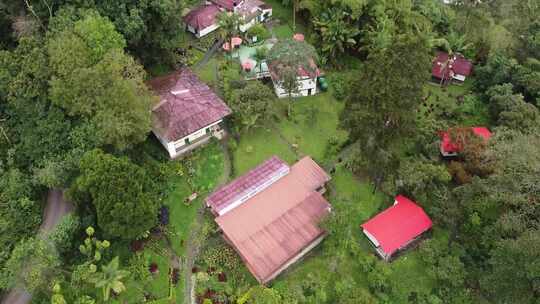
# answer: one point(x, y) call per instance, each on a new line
point(186, 105)
point(202, 16)
point(458, 64)
point(396, 226)
point(278, 223)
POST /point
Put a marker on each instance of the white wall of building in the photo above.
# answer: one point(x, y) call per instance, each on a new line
point(305, 85)
point(204, 31)
point(180, 144)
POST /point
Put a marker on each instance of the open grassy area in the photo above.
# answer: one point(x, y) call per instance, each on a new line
point(256, 146)
point(455, 103)
point(314, 125)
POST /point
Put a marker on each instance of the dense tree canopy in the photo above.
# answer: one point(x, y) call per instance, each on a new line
point(122, 193)
point(381, 108)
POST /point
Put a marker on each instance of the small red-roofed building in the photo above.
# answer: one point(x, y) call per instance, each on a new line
point(271, 214)
point(188, 114)
point(451, 147)
point(446, 68)
point(396, 227)
point(202, 20)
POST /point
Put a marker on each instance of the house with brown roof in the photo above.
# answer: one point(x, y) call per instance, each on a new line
point(271, 214)
point(203, 20)
point(447, 68)
point(188, 114)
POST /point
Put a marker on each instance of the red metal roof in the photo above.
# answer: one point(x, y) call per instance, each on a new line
point(227, 4)
point(247, 183)
point(186, 105)
point(396, 226)
point(448, 146)
point(202, 16)
point(457, 65)
point(274, 226)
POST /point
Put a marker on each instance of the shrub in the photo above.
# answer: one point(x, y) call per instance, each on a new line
point(221, 257)
point(458, 172)
point(153, 268)
point(340, 85)
point(164, 215)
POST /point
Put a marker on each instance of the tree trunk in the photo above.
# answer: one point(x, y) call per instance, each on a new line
point(294, 16)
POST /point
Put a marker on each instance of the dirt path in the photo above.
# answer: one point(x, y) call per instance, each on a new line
point(194, 244)
point(199, 65)
point(56, 208)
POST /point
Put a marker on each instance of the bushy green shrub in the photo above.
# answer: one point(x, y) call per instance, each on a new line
point(340, 85)
point(221, 257)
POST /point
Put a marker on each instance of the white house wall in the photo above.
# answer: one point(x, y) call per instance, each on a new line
point(246, 26)
point(303, 89)
point(208, 30)
point(204, 31)
point(172, 147)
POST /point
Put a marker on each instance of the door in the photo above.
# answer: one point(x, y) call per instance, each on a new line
point(309, 92)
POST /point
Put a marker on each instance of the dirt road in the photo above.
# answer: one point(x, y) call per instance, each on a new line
point(56, 208)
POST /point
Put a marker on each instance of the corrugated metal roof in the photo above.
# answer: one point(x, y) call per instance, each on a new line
point(272, 227)
point(202, 16)
point(186, 105)
point(396, 226)
point(247, 185)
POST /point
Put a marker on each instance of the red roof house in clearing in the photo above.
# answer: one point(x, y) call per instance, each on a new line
point(450, 148)
point(277, 222)
point(457, 67)
point(202, 17)
point(186, 105)
point(396, 227)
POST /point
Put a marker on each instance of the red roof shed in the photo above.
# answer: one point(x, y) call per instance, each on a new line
point(449, 147)
point(397, 226)
point(446, 67)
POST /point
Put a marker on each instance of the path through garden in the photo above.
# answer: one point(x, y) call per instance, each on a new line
point(194, 243)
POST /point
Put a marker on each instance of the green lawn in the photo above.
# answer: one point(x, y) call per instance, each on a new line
point(207, 73)
point(284, 14)
point(283, 31)
point(256, 146)
point(313, 124)
point(456, 104)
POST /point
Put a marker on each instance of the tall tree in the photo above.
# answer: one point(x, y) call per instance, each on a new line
point(381, 109)
point(94, 80)
point(252, 104)
point(122, 193)
point(338, 32)
point(229, 24)
point(286, 58)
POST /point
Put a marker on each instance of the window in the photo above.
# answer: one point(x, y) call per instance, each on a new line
point(207, 130)
point(186, 141)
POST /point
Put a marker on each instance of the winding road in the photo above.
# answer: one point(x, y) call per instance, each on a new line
point(56, 208)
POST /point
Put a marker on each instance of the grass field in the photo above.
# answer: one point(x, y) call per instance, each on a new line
point(314, 123)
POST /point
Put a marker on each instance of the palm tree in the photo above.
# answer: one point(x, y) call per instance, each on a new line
point(110, 279)
point(260, 55)
point(229, 24)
